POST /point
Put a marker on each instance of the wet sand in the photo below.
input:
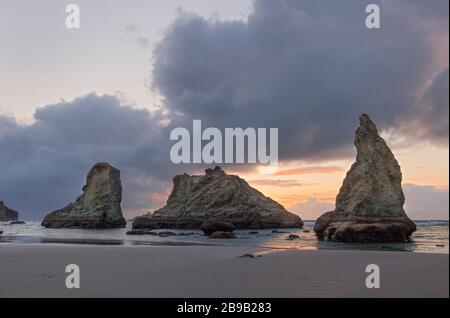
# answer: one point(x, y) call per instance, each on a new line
point(216, 271)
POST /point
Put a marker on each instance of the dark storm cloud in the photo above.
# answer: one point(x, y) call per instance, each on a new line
point(43, 165)
point(435, 110)
point(309, 68)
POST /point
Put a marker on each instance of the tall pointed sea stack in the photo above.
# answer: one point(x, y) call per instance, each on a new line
point(217, 196)
point(369, 206)
point(99, 205)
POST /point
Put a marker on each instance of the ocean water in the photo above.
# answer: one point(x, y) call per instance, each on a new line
point(431, 237)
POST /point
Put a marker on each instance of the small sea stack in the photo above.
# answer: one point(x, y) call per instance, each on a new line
point(218, 230)
point(369, 206)
point(99, 205)
point(217, 197)
point(7, 214)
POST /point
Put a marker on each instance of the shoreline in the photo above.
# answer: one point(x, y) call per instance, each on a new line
point(43, 241)
point(216, 271)
point(430, 238)
point(38, 241)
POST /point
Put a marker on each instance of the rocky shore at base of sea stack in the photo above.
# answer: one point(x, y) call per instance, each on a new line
point(217, 197)
point(369, 206)
point(99, 205)
point(7, 214)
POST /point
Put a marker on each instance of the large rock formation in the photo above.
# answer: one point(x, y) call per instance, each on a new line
point(6, 214)
point(217, 196)
point(369, 206)
point(98, 206)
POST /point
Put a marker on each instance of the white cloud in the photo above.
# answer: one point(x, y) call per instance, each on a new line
point(426, 202)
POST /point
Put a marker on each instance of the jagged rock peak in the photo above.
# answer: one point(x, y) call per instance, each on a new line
point(216, 171)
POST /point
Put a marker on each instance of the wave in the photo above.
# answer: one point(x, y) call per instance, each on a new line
point(423, 223)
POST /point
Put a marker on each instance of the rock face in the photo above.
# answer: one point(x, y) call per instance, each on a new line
point(6, 214)
point(98, 206)
point(219, 197)
point(369, 206)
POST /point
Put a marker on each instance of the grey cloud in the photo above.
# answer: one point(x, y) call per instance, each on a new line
point(135, 33)
point(435, 112)
point(308, 67)
point(131, 28)
point(43, 165)
point(429, 120)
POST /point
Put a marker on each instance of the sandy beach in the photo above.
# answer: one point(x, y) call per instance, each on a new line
point(206, 271)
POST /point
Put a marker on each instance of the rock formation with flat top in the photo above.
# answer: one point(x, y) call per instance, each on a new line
point(7, 214)
point(99, 205)
point(369, 206)
point(217, 197)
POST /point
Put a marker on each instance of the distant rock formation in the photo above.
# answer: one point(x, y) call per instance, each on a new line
point(7, 214)
point(218, 230)
point(17, 222)
point(292, 237)
point(217, 196)
point(210, 227)
point(99, 205)
point(369, 206)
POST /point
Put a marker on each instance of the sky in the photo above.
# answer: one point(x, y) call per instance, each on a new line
point(115, 88)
